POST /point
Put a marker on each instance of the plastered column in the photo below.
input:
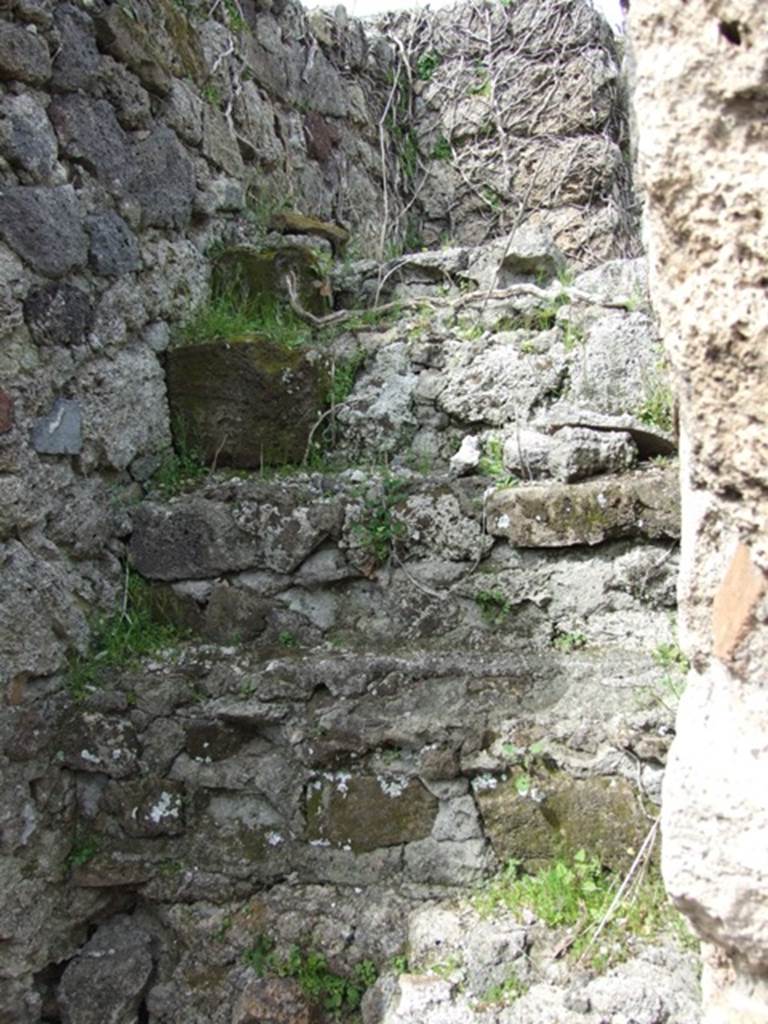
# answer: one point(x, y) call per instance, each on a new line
point(702, 111)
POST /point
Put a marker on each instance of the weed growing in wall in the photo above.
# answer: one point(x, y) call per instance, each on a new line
point(567, 642)
point(334, 993)
point(378, 529)
point(182, 467)
point(492, 464)
point(580, 895)
point(120, 639)
point(493, 606)
point(233, 317)
point(84, 848)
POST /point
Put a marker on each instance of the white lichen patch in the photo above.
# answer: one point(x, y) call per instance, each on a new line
point(168, 805)
point(484, 782)
point(392, 787)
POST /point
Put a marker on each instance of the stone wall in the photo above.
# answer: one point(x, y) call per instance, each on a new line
point(332, 743)
point(518, 114)
point(136, 137)
point(702, 95)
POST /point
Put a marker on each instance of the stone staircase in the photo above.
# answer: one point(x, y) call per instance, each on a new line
point(430, 654)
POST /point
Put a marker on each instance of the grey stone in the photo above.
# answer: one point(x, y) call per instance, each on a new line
point(60, 432)
point(496, 384)
point(579, 453)
point(448, 862)
point(572, 453)
point(267, 528)
point(219, 144)
point(45, 227)
point(130, 43)
point(468, 456)
point(89, 132)
point(34, 11)
point(125, 93)
point(95, 742)
point(277, 1000)
point(645, 504)
point(616, 279)
point(58, 314)
point(26, 138)
point(153, 807)
point(183, 111)
point(234, 616)
point(76, 61)
point(23, 55)
point(255, 118)
point(105, 982)
point(114, 248)
point(617, 365)
point(164, 181)
point(124, 407)
point(39, 594)
point(274, 398)
point(158, 335)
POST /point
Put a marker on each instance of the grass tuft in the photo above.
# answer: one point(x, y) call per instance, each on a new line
point(120, 639)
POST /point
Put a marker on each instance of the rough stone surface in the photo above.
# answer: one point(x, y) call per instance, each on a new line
point(27, 140)
point(558, 816)
point(60, 432)
point(23, 55)
point(58, 314)
point(698, 80)
point(353, 632)
point(639, 504)
point(114, 249)
point(247, 402)
point(104, 984)
point(45, 227)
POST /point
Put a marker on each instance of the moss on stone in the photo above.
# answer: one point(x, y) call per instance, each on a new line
point(596, 814)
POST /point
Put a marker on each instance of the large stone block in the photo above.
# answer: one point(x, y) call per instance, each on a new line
point(556, 815)
point(197, 538)
point(45, 227)
point(364, 813)
point(163, 181)
point(26, 138)
point(23, 55)
point(105, 982)
point(247, 403)
point(641, 504)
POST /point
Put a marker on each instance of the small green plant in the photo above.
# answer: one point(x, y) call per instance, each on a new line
point(526, 758)
point(504, 993)
point(469, 330)
point(212, 94)
point(567, 642)
point(442, 149)
point(445, 968)
point(235, 18)
point(670, 656)
point(427, 64)
point(84, 848)
point(493, 606)
point(573, 335)
point(287, 639)
point(558, 895)
point(234, 316)
point(335, 994)
point(120, 639)
point(182, 467)
point(379, 530)
point(670, 686)
point(592, 903)
point(399, 964)
point(492, 463)
point(657, 407)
